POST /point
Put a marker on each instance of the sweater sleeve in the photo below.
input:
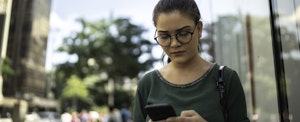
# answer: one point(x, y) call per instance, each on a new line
point(141, 96)
point(138, 112)
point(235, 98)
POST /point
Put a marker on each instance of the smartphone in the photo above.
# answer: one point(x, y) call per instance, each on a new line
point(160, 111)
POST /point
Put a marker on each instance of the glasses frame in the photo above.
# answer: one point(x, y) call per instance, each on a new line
point(176, 36)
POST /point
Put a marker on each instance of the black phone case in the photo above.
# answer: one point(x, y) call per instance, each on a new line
point(160, 111)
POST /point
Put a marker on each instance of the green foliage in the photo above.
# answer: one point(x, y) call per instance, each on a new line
point(91, 80)
point(114, 45)
point(75, 88)
point(106, 49)
point(7, 71)
point(75, 91)
point(123, 97)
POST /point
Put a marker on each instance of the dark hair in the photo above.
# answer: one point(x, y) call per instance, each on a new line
point(186, 7)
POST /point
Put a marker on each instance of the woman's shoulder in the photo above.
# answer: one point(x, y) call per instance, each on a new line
point(229, 74)
point(146, 81)
point(149, 74)
point(227, 70)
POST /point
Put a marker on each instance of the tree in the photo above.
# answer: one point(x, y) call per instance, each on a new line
point(75, 89)
point(112, 47)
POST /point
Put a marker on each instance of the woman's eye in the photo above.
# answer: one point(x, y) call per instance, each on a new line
point(164, 36)
point(183, 33)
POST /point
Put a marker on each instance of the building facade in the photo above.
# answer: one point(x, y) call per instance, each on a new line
point(260, 39)
point(26, 48)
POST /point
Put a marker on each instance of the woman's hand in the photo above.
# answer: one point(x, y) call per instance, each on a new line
point(187, 116)
point(157, 121)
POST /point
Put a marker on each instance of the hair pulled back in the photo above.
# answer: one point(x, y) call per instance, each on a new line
point(185, 7)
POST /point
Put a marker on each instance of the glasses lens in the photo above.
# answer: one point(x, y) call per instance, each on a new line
point(184, 37)
point(163, 40)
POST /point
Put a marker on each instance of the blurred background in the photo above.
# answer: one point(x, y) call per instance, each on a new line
point(81, 60)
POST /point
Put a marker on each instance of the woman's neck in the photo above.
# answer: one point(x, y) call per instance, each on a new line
point(194, 64)
point(178, 73)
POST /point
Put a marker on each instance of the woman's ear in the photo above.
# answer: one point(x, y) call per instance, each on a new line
point(200, 27)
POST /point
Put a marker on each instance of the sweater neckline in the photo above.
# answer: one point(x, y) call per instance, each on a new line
point(188, 84)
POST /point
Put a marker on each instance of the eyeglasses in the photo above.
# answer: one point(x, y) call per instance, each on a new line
point(182, 37)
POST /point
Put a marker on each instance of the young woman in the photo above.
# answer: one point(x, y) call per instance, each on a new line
point(187, 81)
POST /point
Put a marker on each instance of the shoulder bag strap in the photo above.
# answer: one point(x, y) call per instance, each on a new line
point(221, 87)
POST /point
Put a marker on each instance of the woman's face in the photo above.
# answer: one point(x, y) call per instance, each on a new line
point(174, 23)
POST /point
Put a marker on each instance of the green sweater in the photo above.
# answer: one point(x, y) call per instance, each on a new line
point(201, 95)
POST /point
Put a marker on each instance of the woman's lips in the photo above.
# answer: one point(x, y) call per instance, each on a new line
point(177, 53)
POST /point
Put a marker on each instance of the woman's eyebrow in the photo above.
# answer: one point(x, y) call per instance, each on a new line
point(177, 30)
point(162, 31)
point(184, 27)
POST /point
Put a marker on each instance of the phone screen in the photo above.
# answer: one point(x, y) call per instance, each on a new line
point(160, 111)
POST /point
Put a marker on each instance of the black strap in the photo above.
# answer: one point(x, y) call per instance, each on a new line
point(221, 87)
